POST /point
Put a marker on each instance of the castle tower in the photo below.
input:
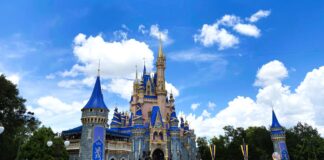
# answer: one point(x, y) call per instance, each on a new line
point(278, 138)
point(175, 136)
point(94, 123)
point(138, 132)
point(160, 79)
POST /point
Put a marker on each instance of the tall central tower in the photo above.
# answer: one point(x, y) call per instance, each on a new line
point(94, 123)
point(160, 86)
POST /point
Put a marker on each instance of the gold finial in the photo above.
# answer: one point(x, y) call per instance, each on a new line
point(99, 68)
point(160, 46)
point(136, 72)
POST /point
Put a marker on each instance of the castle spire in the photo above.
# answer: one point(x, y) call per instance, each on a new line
point(160, 54)
point(136, 74)
point(275, 122)
point(96, 100)
point(144, 69)
point(98, 74)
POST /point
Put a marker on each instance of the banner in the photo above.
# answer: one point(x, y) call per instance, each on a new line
point(98, 147)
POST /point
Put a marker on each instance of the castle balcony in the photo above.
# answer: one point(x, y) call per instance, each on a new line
point(119, 146)
point(74, 145)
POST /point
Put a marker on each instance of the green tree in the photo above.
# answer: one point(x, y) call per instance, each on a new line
point(304, 142)
point(36, 147)
point(260, 144)
point(17, 123)
point(203, 148)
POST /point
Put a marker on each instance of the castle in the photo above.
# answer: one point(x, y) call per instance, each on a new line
point(151, 129)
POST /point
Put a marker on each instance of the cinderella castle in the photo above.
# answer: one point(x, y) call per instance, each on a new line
point(150, 130)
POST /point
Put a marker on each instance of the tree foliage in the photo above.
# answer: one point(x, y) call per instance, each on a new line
point(18, 125)
point(303, 143)
point(36, 147)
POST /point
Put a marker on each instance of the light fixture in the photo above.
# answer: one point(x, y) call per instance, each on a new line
point(49, 143)
point(66, 143)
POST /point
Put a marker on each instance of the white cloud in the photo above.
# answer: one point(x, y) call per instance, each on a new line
point(53, 112)
point(122, 87)
point(119, 34)
point(157, 33)
point(205, 113)
point(212, 34)
point(302, 105)
point(211, 105)
point(171, 88)
point(270, 73)
point(142, 29)
point(193, 55)
point(218, 33)
point(14, 78)
point(247, 29)
point(118, 58)
point(88, 81)
point(194, 106)
point(258, 15)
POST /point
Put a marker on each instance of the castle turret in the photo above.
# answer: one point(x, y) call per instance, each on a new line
point(175, 136)
point(278, 138)
point(94, 122)
point(116, 121)
point(138, 132)
point(160, 79)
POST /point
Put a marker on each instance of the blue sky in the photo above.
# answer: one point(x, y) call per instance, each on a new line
point(227, 65)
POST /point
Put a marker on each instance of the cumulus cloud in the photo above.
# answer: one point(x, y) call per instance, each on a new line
point(219, 34)
point(247, 29)
point(122, 87)
point(304, 104)
point(258, 15)
point(211, 105)
point(118, 60)
point(157, 33)
point(14, 78)
point(271, 73)
point(52, 111)
point(212, 34)
point(194, 106)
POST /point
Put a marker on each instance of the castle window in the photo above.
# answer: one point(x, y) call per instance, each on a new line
point(155, 134)
point(101, 110)
point(90, 110)
point(161, 136)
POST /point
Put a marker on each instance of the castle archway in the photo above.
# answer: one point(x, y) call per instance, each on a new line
point(158, 154)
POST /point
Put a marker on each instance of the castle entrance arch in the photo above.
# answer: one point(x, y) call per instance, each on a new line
point(158, 154)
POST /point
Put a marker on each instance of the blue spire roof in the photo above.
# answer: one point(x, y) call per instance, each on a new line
point(173, 115)
point(275, 122)
point(181, 123)
point(144, 70)
point(155, 113)
point(130, 120)
point(96, 99)
point(138, 111)
point(116, 121)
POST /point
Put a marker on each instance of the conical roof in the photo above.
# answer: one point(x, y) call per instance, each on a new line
point(96, 100)
point(275, 122)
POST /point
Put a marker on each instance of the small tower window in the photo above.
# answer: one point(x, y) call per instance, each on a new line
point(155, 135)
point(90, 110)
point(161, 136)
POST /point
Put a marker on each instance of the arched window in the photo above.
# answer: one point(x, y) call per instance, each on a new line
point(155, 134)
point(161, 135)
